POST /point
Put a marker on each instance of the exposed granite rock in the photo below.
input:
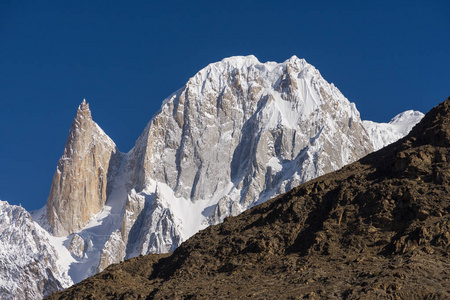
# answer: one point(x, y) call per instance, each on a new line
point(79, 186)
point(77, 246)
point(113, 251)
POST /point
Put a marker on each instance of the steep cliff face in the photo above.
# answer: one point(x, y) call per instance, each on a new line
point(80, 184)
point(31, 267)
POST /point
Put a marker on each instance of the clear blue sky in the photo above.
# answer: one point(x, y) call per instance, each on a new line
point(125, 57)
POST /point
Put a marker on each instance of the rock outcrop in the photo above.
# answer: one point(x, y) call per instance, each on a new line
point(113, 251)
point(77, 246)
point(80, 184)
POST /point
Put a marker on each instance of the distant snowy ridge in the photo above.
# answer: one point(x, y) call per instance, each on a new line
point(33, 264)
point(383, 134)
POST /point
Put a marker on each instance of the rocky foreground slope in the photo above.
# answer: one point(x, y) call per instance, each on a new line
point(377, 228)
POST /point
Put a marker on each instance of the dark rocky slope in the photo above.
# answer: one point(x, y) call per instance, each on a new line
point(378, 228)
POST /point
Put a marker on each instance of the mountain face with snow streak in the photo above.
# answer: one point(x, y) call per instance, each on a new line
point(237, 134)
point(31, 267)
point(383, 134)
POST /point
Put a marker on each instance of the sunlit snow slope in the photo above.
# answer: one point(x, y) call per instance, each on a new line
point(383, 134)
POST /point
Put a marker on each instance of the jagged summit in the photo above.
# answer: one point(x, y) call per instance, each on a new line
point(84, 105)
point(79, 186)
point(248, 60)
point(238, 60)
point(239, 64)
point(83, 119)
point(375, 229)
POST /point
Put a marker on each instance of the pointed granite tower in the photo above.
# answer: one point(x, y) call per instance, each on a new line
point(79, 186)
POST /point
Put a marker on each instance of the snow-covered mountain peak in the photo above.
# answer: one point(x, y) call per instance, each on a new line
point(383, 134)
point(229, 64)
point(292, 88)
point(239, 132)
point(298, 63)
point(239, 60)
point(407, 119)
point(236, 65)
